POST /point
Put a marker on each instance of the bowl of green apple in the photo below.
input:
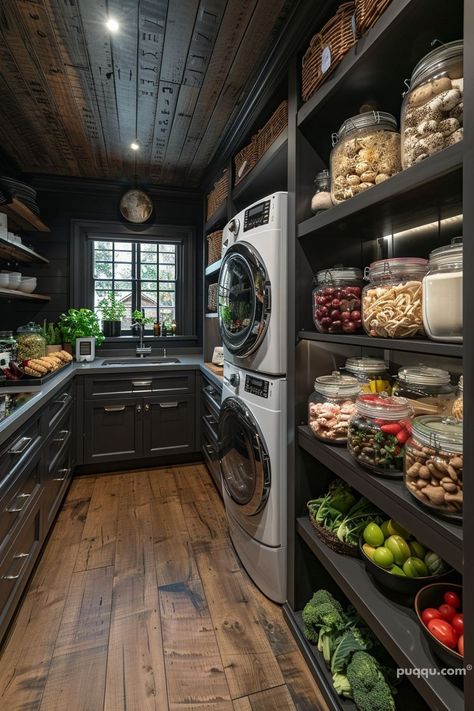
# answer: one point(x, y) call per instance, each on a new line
point(398, 561)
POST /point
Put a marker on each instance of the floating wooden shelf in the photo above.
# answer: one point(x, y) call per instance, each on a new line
point(213, 268)
point(14, 294)
point(410, 345)
point(19, 253)
point(22, 218)
point(268, 176)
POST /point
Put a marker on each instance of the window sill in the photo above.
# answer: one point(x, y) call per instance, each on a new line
point(149, 339)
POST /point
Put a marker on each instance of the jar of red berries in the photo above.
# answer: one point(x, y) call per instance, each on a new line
point(337, 300)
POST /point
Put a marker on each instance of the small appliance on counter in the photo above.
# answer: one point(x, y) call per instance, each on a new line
point(85, 350)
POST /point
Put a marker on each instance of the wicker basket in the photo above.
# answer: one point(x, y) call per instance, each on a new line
point(212, 297)
point(214, 246)
point(272, 129)
point(245, 160)
point(327, 48)
point(368, 12)
point(331, 540)
point(218, 194)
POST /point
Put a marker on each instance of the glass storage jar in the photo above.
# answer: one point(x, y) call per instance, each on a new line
point(392, 301)
point(442, 293)
point(321, 199)
point(331, 406)
point(31, 343)
point(457, 411)
point(378, 432)
point(372, 374)
point(366, 151)
point(434, 463)
point(336, 300)
point(428, 390)
point(432, 109)
point(8, 348)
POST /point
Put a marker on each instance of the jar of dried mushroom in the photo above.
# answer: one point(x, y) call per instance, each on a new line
point(457, 410)
point(428, 390)
point(336, 300)
point(331, 406)
point(392, 301)
point(432, 109)
point(434, 464)
point(31, 343)
point(366, 152)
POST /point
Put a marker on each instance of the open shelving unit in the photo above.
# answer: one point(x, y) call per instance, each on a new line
point(10, 251)
point(15, 294)
point(22, 218)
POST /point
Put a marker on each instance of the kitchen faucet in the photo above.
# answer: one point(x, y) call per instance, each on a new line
point(141, 350)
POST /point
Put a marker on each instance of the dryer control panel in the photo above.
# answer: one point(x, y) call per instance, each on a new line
point(257, 215)
point(256, 386)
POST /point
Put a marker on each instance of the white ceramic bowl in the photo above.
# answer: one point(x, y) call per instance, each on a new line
point(15, 280)
point(27, 284)
point(4, 280)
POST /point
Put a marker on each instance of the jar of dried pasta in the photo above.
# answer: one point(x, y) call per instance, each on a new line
point(366, 152)
point(457, 411)
point(392, 301)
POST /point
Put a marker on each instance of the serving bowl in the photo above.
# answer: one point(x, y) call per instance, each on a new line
point(27, 284)
point(432, 596)
point(4, 280)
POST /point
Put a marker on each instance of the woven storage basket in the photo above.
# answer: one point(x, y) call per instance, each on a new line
point(368, 12)
point(333, 541)
point(212, 297)
point(245, 160)
point(214, 246)
point(272, 129)
point(218, 194)
point(327, 48)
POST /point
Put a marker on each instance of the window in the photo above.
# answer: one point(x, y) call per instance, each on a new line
point(143, 275)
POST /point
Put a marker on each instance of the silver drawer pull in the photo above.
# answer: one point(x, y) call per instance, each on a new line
point(168, 405)
point(211, 420)
point(20, 446)
point(25, 498)
point(210, 450)
point(141, 383)
point(19, 556)
point(147, 407)
point(114, 408)
point(63, 399)
point(64, 472)
point(62, 436)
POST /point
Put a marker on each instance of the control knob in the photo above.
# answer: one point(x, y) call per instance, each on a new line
point(234, 379)
point(234, 226)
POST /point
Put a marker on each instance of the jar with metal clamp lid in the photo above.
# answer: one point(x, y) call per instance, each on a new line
point(443, 293)
point(428, 390)
point(331, 406)
point(366, 152)
point(336, 300)
point(321, 199)
point(458, 408)
point(8, 348)
point(372, 374)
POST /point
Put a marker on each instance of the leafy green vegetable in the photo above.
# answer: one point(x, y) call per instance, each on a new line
point(350, 642)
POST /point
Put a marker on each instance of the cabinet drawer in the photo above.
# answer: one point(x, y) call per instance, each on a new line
point(57, 406)
point(210, 452)
point(19, 450)
point(113, 430)
point(54, 488)
point(59, 441)
point(140, 384)
point(211, 395)
point(17, 501)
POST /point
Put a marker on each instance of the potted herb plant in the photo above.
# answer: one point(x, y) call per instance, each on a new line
point(112, 311)
point(52, 335)
point(138, 317)
point(79, 323)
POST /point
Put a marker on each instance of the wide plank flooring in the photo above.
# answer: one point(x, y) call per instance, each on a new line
point(139, 603)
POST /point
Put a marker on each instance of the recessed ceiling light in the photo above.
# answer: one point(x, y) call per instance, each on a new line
point(134, 146)
point(112, 24)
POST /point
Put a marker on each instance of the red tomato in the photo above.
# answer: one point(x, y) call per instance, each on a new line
point(461, 645)
point(442, 631)
point(403, 436)
point(430, 613)
point(447, 612)
point(452, 598)
point(458, 623)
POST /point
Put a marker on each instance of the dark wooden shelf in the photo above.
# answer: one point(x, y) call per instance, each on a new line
point(268, 176)
point(218, 219)
point(395, 625)
point(213, 268)
point(19, 253)
point(423, 193)
point(390, 495)
point(411, 345)
point(14, 294)
point(22, 218)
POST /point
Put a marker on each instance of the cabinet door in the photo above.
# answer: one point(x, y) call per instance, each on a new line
point(113, 430)
point(55, 485)
point(169, 425)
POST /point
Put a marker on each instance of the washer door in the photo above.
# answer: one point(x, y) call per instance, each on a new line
point(245, 464)
point(244, 299)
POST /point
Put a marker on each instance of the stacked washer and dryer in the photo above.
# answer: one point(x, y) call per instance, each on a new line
point(252, 311)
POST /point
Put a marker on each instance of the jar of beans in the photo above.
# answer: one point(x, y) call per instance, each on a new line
point(378, 432)
point(331, 406)
point(336, 300)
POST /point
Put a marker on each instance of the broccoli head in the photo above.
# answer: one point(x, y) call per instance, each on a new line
point(321, 596)
point(369, 688)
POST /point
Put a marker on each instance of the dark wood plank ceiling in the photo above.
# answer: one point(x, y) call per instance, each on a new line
point(73, 96)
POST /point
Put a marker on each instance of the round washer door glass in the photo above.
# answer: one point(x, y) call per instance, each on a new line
point(244, 300)
point(245, 464)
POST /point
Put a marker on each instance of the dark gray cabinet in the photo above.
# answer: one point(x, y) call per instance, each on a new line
point(113, 430)
point(169, 425)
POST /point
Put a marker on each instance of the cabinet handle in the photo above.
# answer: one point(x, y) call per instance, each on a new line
point(147, 407)
point(62, 436)
point(25, 498)
point(63, 399)
point(139, 408)
point(114, 408)
point(20, 446)
point(168, 405)
point(210, 450)
point(64, 472)
point(141, 383)
point(20, 556)
point(210, 419)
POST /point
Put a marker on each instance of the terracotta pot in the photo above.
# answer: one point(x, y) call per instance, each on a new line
point(53, 349)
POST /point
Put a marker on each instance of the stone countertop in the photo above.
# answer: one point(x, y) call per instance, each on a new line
point(45, 392)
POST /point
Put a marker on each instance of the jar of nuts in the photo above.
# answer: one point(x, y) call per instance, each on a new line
point(31, 343)
point(434, 464)
point(392, 301)
point(366, 152)
point(432, 109)
point(331, 406)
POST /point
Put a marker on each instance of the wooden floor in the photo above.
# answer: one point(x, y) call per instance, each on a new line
point(140, 603)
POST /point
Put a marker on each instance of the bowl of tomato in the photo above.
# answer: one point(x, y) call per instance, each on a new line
point(439, 611)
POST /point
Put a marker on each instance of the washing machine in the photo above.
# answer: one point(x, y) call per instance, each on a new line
point(252, 303)
point(252, 453)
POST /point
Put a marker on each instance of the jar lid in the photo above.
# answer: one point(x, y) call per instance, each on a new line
point(379, 119)
point(384, 407)
point(423, 375)
point(436, 59)
point(461, 383)
point(337, 273)
point(450, 254)
point(366, 365)
point(6, 334)
point(337, 385)
point(30, 327)
point(440, 432)
point(397, 266)
point(322, 175)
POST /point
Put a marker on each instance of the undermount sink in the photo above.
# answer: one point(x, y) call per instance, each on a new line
point(150, 360)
